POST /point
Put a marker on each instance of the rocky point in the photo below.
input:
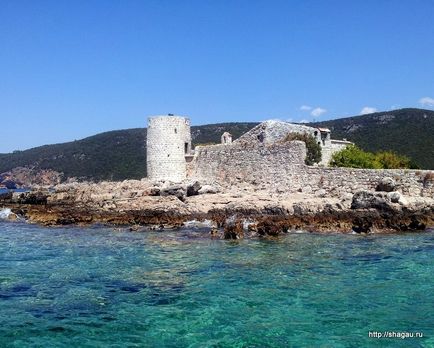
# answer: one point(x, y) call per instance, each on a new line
point(241, 211)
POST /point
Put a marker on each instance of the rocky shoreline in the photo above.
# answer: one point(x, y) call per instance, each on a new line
point(241, 211)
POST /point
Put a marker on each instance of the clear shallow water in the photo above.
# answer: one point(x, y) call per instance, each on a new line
point(63, 287)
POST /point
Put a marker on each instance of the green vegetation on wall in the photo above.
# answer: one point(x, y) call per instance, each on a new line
point(313, 154)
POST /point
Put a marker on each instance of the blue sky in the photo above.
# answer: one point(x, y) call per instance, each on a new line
point(70, 69)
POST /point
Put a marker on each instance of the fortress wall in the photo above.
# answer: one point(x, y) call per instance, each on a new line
point(335, 181)
point(280, 167)
point(266, 166)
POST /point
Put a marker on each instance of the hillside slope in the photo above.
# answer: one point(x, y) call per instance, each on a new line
point(119, 155)
point(406, 131)
point(115, 155)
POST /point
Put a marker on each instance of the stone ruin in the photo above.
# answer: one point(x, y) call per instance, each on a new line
point(169, 143)
point(270, 132)
point(261, 158)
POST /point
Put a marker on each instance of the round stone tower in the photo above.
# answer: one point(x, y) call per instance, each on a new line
point(168, 142)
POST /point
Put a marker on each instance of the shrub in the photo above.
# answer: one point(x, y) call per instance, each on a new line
point(313, 148)
point(391, 160)
point(354, 157)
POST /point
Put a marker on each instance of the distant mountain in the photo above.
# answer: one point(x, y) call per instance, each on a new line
point(121, 154)
point(115, 155)
point(406, 131)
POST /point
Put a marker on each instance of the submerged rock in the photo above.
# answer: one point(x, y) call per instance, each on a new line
point(233, 228)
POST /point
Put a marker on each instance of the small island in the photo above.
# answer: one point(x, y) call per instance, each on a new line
point(261, 184)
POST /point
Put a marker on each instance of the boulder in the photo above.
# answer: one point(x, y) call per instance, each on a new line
point(396, 197)
point(13, 217)
point(178, 191)
point(367, 199)
point(233, 228)
point(153, 191)
point(193, 189)
point(321, 193)
point(208, 189)
point(362, 225)
point(386, 184)
point(268, 228)
point(32, 197)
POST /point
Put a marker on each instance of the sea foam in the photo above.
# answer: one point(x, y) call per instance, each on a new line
point(4, 213)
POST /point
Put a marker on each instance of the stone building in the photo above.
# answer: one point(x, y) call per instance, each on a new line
point(270, 132)
point(168, 144)
point(260, 158)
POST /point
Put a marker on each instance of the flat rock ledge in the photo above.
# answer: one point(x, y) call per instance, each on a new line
point(227, 213)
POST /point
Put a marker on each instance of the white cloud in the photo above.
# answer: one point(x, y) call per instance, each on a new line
point(426, 101)
point(278, 119)
point(305, 108)
point(272, 119)
point(304, 121)
point(368, 110)
point(318, 112)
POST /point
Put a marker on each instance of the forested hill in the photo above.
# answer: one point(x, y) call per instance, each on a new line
point(121, 154)
point(115, 155)
point(406, 131)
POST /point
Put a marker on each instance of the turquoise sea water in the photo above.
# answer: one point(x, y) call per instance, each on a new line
point(101, 287)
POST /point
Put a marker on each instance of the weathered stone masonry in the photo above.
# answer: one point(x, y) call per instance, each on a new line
point(263, 159)
point(281, 167)
point(264, 165)
point(168, 142)
point(340, 180)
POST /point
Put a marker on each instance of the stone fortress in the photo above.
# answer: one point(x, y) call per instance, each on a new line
point(256, 185)
point(263, 159)
point(169, 147)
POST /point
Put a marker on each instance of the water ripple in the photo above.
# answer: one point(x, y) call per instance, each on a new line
point(61, 287)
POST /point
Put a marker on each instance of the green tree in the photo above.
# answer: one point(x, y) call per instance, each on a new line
point(354, 157)
point(391, 160)
point(313, 148)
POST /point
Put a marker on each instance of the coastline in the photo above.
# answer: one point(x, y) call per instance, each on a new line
point(241, 211)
